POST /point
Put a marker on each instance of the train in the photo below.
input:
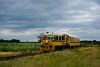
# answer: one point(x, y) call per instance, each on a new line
point(51, 42)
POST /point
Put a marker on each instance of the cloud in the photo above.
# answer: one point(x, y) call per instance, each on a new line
point(24, 17)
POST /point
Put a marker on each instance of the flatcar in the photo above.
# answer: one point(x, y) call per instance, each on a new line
point(51, 42)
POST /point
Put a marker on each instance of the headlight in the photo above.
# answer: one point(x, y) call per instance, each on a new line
point(41, 42)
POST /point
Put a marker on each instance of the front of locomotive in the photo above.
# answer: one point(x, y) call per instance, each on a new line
point(46, 41)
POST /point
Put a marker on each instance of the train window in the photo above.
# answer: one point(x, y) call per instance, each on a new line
point(51, 37)
point(45, 37)
point(63, 37)
point(60, 38)
point(56, 38)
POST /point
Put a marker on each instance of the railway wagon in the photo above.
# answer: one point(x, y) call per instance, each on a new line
point(50, 42)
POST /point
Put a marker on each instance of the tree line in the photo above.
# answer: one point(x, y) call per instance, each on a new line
point(9, 41)
point(14, 41)
point(89, 43)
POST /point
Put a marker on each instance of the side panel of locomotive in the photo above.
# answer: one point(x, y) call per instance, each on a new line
point(73, 41)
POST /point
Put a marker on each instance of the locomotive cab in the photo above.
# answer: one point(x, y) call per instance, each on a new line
point(46, 42)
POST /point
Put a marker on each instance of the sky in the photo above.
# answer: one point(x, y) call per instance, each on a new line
point(26, 19)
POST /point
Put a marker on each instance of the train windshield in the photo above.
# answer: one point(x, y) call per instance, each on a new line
point(51, 37)
point(46, 37)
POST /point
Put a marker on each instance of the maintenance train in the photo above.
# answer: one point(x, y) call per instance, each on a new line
point(51, 42)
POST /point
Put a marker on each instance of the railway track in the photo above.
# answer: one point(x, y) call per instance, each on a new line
point(20, 55)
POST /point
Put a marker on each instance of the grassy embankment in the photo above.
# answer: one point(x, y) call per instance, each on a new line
point(82, 57)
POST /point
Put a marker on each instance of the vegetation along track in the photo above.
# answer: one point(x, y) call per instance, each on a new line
point(23, 55)
point(20, 55)
point(26, 54)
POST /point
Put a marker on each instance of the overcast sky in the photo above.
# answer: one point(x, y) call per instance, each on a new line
point(25, 19)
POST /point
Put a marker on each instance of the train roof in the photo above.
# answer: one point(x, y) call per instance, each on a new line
point(48, 34)
point(45, 34)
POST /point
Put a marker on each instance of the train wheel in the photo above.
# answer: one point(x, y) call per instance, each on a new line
point(52, 48)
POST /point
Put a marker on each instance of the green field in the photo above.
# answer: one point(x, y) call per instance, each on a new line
point(18, 47)
point(81, 57)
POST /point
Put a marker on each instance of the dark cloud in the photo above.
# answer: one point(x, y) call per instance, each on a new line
point(22, 15)
point(97, 1)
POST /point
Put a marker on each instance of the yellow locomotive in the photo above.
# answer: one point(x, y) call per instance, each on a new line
point(50, 42)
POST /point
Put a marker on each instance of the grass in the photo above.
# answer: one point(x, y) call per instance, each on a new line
point(6, 54)
point(18, 47)
point(82, 57)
